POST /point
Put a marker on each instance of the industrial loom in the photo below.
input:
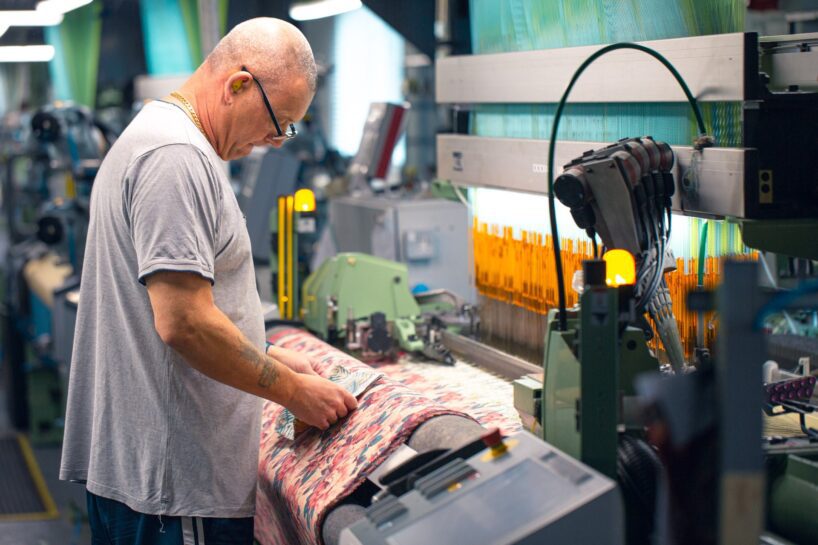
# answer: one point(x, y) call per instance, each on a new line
point(628, 397)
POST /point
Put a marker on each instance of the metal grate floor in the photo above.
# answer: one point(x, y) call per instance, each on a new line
point(23, 494)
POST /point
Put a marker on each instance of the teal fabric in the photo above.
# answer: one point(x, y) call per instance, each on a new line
point(671, 122)
point(167, 48)
point(522, 25)
point(172, 36)
point(76, 43)
point(57, 68)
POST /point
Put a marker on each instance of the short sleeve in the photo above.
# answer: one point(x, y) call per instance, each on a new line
point(172, 201)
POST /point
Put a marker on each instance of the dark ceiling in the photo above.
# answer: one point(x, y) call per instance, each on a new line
point(119, 11)
point(17, 4)
point(21, 35)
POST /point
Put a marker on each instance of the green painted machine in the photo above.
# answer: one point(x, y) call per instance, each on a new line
point(353, 286)
point(586, 390)
point(364, 302)
point(606, 371)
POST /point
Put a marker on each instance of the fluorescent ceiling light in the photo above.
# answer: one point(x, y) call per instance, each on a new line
point(316, 9)
point(31, 18)
point(48, 13)
point(26, 53)
point(61, 6)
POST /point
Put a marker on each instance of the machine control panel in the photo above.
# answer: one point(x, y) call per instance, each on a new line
point(519, 491)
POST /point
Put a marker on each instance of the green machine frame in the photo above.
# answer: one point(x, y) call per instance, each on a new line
point(354, 285)
point(588, 377)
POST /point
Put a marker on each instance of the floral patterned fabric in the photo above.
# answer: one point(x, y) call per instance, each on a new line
point(485, 397)
point(301, 480)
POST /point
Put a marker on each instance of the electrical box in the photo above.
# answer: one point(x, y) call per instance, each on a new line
point(429, 235)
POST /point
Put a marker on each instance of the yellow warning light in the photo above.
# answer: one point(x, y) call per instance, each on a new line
point(620, 267)
point(304, 200)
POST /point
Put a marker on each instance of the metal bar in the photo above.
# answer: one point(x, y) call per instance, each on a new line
point(599, 377)
point(282, 257)
point(290, 257)
point(295, 305)
point(496, 361)
point(739, 357)
point(714, 67)
point(519, 164)
point(788, 39)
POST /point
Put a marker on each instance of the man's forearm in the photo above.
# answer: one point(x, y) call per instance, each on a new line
point(214, 346)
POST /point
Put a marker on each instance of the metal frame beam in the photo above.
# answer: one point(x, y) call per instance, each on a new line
point(721, 67)
point(519, 164)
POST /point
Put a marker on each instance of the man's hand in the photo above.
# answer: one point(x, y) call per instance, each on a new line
point(319, 402)
point(297, 361)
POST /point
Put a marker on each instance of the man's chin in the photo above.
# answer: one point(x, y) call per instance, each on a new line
point(237, 153)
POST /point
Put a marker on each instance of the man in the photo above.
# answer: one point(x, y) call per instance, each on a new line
point(160, 425)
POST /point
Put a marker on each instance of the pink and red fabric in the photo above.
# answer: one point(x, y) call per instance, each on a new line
point(461, 387)
point(301, 480)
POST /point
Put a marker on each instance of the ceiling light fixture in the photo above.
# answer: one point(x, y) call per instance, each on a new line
point(61, 6)
point(26, 53)
point(317, 9)
point(31, 18)
point(47, 13)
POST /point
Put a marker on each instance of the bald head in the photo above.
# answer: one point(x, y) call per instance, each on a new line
point(259, 80)
point(273, 49)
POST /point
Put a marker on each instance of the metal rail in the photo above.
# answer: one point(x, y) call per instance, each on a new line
point(719, 67)
point(489, 358)
point(519, 164)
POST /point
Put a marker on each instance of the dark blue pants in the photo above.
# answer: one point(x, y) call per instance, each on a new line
point(114, 523)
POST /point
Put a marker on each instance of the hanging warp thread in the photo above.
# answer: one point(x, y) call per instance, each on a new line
point(517, 284)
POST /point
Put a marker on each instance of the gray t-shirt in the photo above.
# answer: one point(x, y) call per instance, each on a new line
point(142, 426)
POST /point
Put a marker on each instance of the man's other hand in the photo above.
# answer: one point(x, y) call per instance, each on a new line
point(297, 361)
point(319, 402)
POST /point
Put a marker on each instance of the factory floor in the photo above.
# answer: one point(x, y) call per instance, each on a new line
point(69, 498)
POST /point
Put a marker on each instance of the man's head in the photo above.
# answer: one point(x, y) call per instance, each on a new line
point(279, 57)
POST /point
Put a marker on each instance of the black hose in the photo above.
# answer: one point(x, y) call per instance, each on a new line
point(563, 319)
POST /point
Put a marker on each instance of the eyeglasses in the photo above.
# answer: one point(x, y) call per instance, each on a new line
point(291, 132)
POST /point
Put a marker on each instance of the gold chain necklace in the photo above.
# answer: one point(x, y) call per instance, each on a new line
point(189, 107)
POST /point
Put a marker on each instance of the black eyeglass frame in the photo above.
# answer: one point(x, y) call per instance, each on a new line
point(291, 131)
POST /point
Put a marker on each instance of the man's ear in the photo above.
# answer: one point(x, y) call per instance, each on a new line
point(235, 84)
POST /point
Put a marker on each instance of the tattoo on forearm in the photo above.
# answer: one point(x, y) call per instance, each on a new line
point(251, 353)
point(268, 373)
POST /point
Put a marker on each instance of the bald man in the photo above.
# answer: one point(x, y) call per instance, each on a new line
point(169, 371)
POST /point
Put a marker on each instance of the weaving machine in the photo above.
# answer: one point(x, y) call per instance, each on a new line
point(587, 396)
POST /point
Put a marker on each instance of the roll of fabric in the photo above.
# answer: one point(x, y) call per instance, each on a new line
point(462, 387)
point(301, 480)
